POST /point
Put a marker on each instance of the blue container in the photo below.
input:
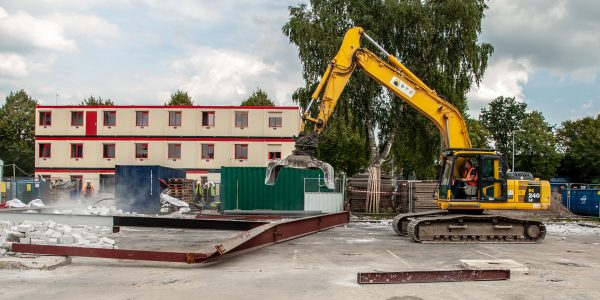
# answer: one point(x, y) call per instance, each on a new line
point(585, 202)
point(137, 188)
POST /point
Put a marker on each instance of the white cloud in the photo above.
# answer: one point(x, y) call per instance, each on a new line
point(87, 28)
point(222, 75)
point(505, 77)
point(12, 65)
point(559, 36)
point(22, 32)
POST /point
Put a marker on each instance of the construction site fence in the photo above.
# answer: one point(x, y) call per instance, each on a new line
point(396, 196)
point(318, 197)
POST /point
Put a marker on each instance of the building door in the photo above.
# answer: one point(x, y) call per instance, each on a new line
point(91, 123)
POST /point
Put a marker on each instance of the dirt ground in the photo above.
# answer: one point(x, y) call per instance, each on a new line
point(320, 266)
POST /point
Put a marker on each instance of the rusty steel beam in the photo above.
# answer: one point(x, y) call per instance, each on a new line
point(110, 253)
point(185, 223)
point(239, 217)
point(433, 276)
point(255, 238)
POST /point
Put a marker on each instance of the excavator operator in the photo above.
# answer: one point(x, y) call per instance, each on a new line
point(466, 185)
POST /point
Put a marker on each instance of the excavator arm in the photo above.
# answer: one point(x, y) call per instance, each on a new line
point(391, 74)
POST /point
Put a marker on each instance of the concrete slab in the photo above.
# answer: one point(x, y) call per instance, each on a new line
point(39, 262)
point(319, 266)
point(493, 264)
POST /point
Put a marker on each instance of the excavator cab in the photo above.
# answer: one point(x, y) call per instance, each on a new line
point(488, 180)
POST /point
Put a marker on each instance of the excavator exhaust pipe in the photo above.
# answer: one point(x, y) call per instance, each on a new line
point(302, 158)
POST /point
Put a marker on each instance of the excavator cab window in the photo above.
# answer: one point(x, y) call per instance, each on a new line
point(462, 188)
point(446, 178)
point(493, 178)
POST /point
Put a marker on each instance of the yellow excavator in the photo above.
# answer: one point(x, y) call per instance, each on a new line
point(461, 217)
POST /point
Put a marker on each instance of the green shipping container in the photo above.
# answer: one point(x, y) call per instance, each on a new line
point(244, 188)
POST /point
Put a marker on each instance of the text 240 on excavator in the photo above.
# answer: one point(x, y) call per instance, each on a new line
point(461, 217)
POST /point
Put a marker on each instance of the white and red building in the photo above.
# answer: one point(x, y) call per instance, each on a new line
point(88, 141)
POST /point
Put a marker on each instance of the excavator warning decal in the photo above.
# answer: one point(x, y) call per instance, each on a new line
point(402, 86)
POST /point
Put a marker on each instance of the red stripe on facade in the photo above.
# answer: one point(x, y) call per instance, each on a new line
point(143, 138)
point(43, 170)
point(170, 107)
point(107, 171)
point(196, 171)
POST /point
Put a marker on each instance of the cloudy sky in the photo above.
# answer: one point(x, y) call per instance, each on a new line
point(139, 51)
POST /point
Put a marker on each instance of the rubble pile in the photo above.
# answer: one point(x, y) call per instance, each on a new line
point(52, 233)
point(93, 210)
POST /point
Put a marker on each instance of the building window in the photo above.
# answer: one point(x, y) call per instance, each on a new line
point(241, 151)
point(76, 118)
point(108, 150)
point(274, 154)
point(241, 119)
point(174, 151)
point(208, 151)
point(141, 118)
point(76, 150)
point(110, 118)
point(274, 119)
point(141, 150)
point(107, 183)
point(208, 118)
point(78, 179)
point(45, 150)
point(45, 118)
point(174, 118)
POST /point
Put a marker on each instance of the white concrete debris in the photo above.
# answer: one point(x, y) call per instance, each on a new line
point(52, 233)
point(573, 228)
point(16, 203)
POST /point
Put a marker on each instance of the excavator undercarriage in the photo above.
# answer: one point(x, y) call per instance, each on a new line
point(447, 227)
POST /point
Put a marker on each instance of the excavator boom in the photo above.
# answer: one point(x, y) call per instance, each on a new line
point(391, 74)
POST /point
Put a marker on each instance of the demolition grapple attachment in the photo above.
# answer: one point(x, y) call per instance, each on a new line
point(303, 157)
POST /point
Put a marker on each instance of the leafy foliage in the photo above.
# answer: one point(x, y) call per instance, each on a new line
point(180, 98)
point(535, 145)
point(353, 159)
point(480, 136)
point(580, 143)
point(504, 116)
point(437, 40)
point(93, 101)
point(17, 129)
point(258, 98)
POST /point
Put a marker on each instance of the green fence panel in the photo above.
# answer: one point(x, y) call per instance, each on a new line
point(244, 188)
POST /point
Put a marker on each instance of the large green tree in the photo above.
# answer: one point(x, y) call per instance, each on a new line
point(17, 129)
point(480, 136)
point(535, 145)
point(503, 118)
point(93, 101)
point(437, 40)
point(579, 143)
point(258, 98)
point(180, 97)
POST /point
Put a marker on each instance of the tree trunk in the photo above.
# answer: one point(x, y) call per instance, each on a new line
point(377, 159)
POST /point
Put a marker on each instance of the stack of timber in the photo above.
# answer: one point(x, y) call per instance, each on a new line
point(415, 196)
point(182, 189)
point(358, 193)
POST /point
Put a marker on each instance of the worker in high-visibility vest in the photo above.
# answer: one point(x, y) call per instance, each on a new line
point(88, 190)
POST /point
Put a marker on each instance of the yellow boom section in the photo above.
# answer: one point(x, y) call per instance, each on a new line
point(395, 77)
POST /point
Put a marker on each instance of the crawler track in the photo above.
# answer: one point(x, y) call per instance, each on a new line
point(477, 229)
point(401, 221)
